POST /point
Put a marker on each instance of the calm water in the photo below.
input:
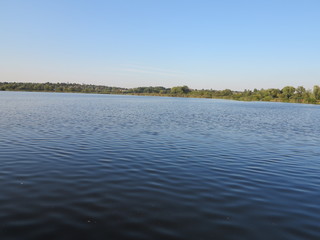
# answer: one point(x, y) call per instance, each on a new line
point(81, 166)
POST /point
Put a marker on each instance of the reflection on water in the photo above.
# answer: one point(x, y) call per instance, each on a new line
point(77, 166)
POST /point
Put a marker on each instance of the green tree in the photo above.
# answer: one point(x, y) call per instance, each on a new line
point(288, 91)
point(226, 92)
point(316, 92)
point(274, 92)
point(300, 91)
point(180, 90)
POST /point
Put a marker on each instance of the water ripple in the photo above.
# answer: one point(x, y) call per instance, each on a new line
point(82, 166)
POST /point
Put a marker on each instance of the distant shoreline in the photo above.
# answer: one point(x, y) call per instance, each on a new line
point(287, 94)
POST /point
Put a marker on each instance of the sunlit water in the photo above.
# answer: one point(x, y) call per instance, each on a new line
point(82, 166)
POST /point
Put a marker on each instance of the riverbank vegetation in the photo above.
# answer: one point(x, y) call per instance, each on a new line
point(287, 94)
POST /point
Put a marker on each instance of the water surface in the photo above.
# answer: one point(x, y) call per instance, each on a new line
point(85, 166)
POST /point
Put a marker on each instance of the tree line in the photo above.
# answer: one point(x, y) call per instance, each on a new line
point(287, 94)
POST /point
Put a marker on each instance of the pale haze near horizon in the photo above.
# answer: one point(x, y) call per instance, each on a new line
point(202, 44)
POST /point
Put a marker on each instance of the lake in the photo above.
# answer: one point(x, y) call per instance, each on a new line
point(88, 166)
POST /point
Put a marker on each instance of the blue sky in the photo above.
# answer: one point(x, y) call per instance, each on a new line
point(203, 44)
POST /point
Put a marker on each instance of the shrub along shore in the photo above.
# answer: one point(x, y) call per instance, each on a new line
point(287, 94)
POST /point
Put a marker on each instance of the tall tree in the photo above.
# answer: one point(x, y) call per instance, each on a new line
point(288, 91)
point(316, 92)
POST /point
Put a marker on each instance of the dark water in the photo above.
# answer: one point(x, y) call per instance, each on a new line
point(77, 166)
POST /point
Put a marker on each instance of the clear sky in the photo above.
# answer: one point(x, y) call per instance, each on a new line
point(236, 44)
